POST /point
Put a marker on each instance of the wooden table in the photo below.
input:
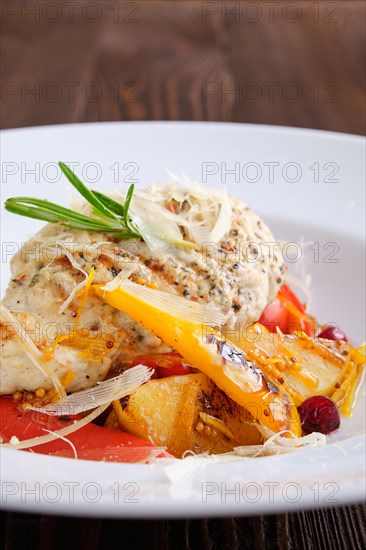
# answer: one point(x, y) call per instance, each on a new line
point(289, 63)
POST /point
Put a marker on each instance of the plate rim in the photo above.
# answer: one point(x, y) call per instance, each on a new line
point(264, 128)
point(167, 123)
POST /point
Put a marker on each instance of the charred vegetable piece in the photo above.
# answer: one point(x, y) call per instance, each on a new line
point(219, 359)
point(185, 413)
point(307, 366)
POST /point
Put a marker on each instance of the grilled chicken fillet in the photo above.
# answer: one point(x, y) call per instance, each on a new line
point(240, 275)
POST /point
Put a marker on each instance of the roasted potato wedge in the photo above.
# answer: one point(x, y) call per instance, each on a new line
point(185, 413)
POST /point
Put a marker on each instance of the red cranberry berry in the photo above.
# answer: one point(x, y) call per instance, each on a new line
point(333, 333)
point(319, 414)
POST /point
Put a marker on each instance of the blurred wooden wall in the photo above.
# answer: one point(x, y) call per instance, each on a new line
point(290, 63)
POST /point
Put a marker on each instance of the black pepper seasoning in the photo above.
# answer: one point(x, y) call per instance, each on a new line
point(114, 271)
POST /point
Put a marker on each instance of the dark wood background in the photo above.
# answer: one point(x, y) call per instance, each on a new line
point(297, 64)
point(289, 63)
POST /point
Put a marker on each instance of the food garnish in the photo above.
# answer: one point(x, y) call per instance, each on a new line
point(109, 215)
point(219, 359)
point(333, 333)
point(319, 414)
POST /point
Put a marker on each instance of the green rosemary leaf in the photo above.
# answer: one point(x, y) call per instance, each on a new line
point(53, 213)
point(127, 218)
point(111, 204)
point(128, 235)
point(47, 206)
point(85, 192)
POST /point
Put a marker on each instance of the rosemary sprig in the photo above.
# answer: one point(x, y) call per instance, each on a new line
point(127, 206)
point(111, 216)
point(98, 206)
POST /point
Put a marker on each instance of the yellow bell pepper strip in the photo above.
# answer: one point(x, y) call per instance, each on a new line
point(219, 359)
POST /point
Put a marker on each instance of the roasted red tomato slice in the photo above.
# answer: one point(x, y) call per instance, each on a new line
point(90, 442)
point(165, 364)
point(275, 315)
point(287, 313)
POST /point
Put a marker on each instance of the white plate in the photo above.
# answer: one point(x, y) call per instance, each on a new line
point(309, 187)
